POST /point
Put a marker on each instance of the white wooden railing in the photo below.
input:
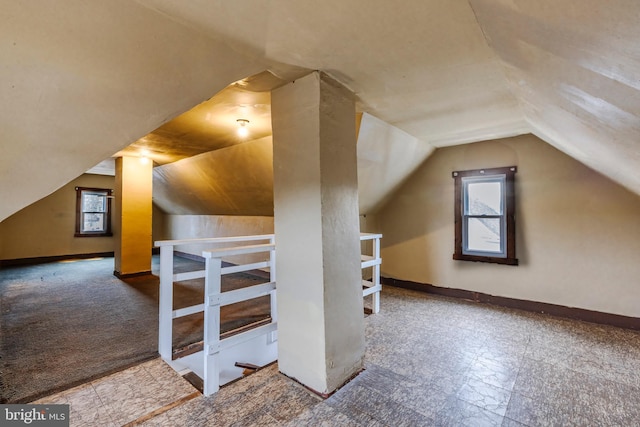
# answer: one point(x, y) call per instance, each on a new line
point(207, 364)
point(372, 287)
point(215, 299)
point(168, 277)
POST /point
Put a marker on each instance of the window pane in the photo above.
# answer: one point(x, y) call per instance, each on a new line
point(93, 202)
point(483, 234)
point(484, 198)
point(93, 222)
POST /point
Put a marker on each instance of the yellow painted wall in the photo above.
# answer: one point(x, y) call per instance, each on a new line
point(47, 227)
point(133, 215)
point(578, 233)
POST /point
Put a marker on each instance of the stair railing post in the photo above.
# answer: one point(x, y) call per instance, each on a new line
point(165, 305)
point(376, 274)
point(212, 289)
point(272, 278)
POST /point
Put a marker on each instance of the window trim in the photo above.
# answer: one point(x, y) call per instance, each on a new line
point(509, 257)
point(79, 212)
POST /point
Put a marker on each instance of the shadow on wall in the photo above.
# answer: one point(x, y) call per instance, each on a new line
point(424, 204)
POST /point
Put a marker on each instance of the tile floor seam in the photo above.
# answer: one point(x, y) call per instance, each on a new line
point(513, 389)
point(396, 402)
point(102, 404)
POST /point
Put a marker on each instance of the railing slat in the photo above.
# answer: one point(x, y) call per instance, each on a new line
point(369, 236)
point(371, 263)
point(244, 294)
point(239, 250)
point(240, 338)
point(206, 240)
point(371, 290)
point(186, 311)
point(245, 267)
point(189, 275)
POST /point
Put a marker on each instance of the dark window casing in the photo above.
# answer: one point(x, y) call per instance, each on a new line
point(82, 211)
point(509, 257)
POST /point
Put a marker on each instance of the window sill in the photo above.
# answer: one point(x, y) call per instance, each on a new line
point(488, 259)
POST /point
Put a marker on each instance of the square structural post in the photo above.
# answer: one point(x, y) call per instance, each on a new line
point(133, 216)
point(320, 308)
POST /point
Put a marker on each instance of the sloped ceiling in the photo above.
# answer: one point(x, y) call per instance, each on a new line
point(81, 80)
point(213, 124)
point(386, 156)
point(87, 79)
point(236, 180)
point(421, 65)
point(574, 67)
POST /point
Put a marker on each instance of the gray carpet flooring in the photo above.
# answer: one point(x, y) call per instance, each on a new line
point(65, 323)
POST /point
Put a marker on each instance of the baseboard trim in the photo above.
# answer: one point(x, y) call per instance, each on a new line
point(131, 275)
point(45, 259)
point(599, 317)
point(55, 258)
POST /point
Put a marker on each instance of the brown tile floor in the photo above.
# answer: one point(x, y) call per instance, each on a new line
point(429, 361)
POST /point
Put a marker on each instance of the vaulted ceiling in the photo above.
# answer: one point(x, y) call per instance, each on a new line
point(84, 80)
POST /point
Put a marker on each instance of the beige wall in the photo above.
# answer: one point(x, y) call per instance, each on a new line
point(202, 226)
point(578, 233)
point(47, 227)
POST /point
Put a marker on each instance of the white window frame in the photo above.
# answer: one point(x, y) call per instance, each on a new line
point(501, 179)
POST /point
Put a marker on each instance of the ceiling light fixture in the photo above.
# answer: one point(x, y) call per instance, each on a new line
point(144, 156)
point(243, 130)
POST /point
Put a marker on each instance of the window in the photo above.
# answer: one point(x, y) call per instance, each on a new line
point(93, 212)
point(485, 215)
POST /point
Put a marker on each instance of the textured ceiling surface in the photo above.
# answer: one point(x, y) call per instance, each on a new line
point(88, 79)
point(424, 66)
point(450, 72)
point(80, 81)
point(209, 126)
point(574, 67)
point(236, 180)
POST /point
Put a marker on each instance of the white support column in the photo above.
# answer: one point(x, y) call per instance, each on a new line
point(212, 288)
point(165, 335)
point(320, 304)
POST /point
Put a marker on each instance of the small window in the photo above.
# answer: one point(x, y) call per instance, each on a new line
point(485, 215)
point(93, 212)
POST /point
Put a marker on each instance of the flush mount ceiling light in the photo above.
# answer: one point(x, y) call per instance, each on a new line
point(243, 130)
point(144, 156)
